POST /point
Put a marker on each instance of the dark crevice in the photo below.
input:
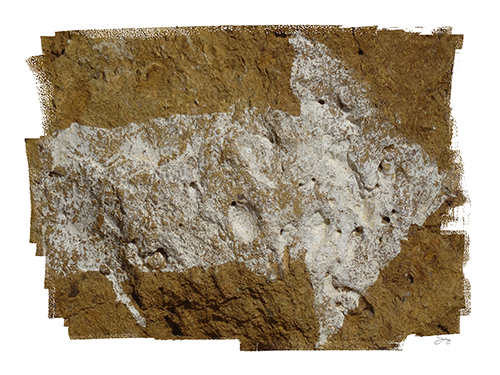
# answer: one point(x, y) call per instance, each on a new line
point(443, 328)
point(74, 290)
point(280, 34)
point(136, 298)
point(174, 326)
point(343, 106)
point(54, 174)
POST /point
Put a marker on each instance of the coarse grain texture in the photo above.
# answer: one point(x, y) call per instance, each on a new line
point(280, 185)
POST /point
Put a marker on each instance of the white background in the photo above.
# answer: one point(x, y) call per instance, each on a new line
point(32, 342)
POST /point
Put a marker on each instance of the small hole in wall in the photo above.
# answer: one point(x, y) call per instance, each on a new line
point(162, 251)
point(313, 179)
point(360, 52)
point(180, 225)
point(358, 230)
point(380, 168)
point(321, 101)
point(282, 231)
point(338, 304)
point(301, 184)
point(386, 220)
point(233, 203)
point(393, 211)
point(410, 277)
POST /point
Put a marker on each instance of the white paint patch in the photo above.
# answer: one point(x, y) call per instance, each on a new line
point(318, 183)
point(123, 298)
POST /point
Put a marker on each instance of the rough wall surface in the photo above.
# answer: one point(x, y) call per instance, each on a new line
point(250, 183)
